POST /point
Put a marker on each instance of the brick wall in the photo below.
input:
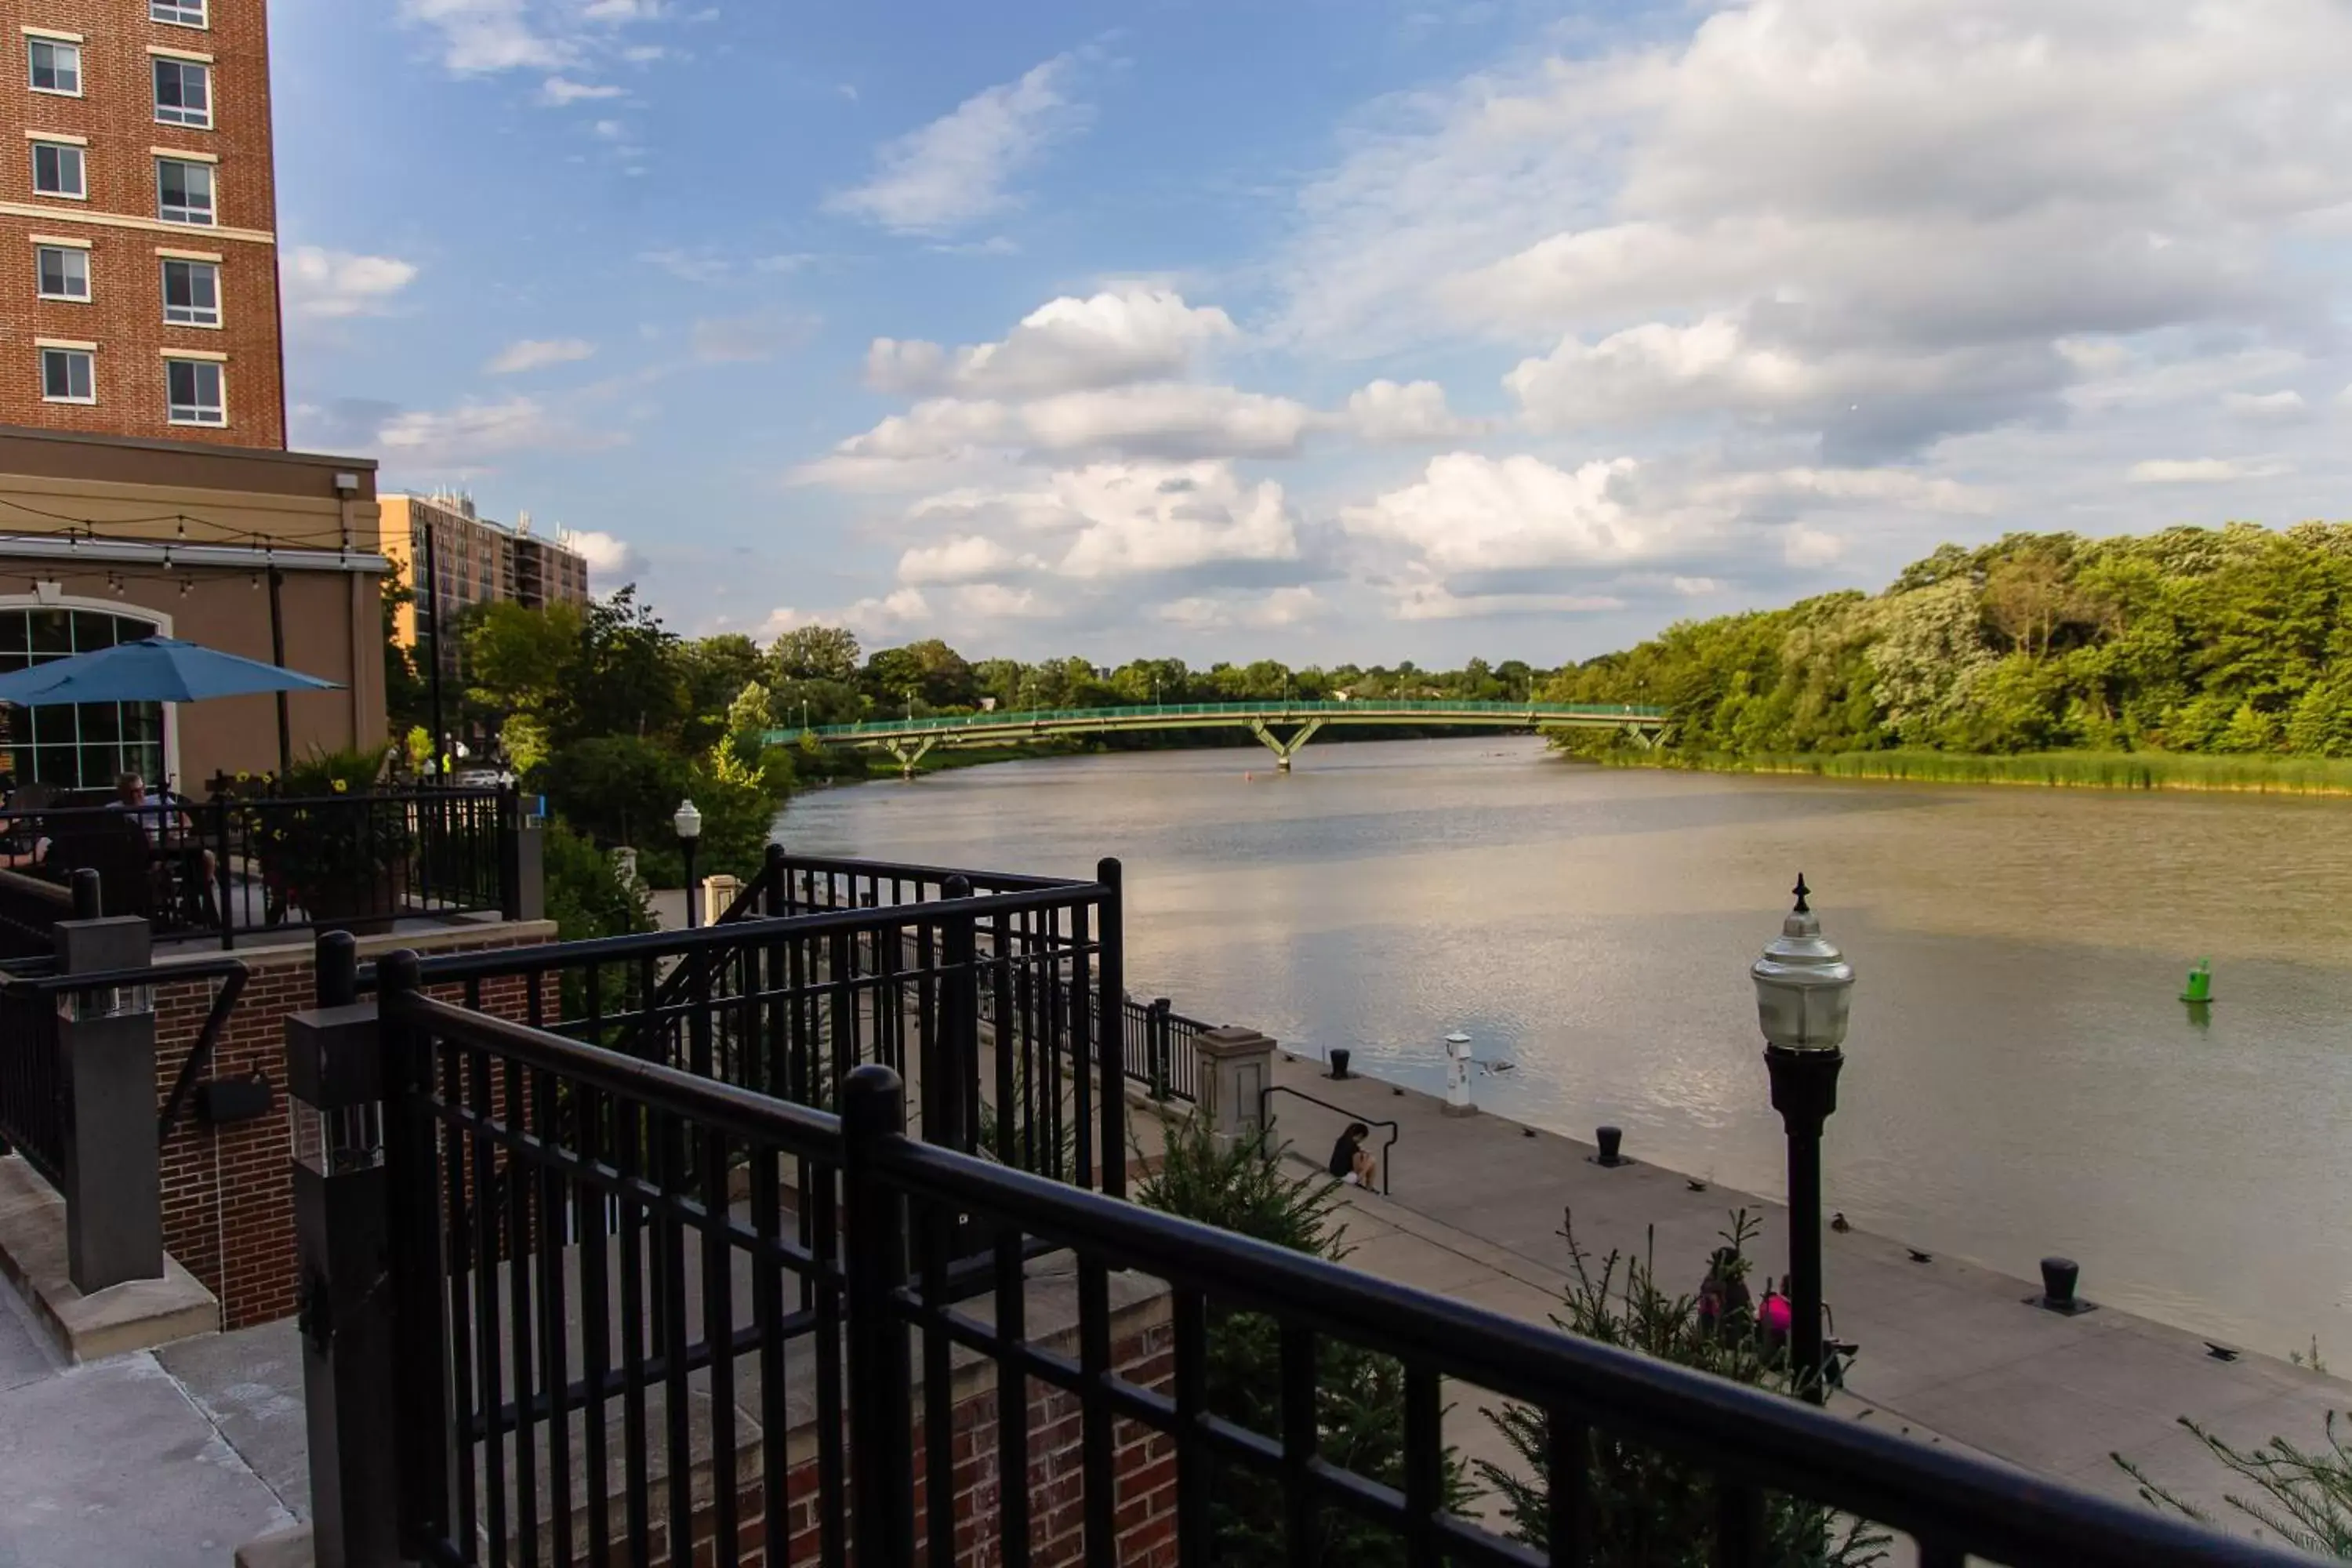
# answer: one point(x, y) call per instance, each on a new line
point(228, 1205)
point(1144, 1470)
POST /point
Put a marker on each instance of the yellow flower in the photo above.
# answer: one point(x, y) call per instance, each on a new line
point(341, 785)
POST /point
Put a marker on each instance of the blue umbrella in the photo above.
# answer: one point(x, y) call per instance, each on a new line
point(152, 669)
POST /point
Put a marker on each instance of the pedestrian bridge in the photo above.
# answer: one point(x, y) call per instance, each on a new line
point(1283, 727)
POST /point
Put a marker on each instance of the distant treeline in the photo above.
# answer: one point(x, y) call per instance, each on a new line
point(2235, 641)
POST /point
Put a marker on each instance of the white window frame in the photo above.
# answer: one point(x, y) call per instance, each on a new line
point(88, 358)
point(212, 187)
point(164, 282)
point(81, 157)
point(32, 46)
point(181, 13)
point(220, 380)
point(163, 622)
point(168, 116)
point(41, 253)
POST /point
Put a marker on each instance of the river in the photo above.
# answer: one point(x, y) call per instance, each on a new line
point(2022, 1078)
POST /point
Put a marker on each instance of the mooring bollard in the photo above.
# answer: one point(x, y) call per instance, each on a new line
point(1457, 1075)
point(1611, 1140)
point(1339, 1056)
point(2058, 1280)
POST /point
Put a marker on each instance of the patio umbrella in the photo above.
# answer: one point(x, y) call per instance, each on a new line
point(151, 669)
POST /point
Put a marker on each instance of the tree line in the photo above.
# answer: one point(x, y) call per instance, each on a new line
point(2235, 640)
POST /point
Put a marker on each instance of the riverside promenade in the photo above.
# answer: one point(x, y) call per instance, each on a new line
point(1951, 1352)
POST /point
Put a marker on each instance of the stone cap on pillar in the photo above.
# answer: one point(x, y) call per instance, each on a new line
point(1232, 1040)
point(94, 947)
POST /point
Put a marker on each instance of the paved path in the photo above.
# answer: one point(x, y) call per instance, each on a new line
point(114, 1462)
point(1950, 1351)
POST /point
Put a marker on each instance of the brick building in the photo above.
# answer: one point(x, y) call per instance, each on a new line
point(138, 246)
point(479, 563)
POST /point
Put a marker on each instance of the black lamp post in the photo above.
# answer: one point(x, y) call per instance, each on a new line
point(1803, 989)
point(688, 823)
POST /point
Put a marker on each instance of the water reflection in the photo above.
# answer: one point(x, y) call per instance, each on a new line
point(2025, 1078)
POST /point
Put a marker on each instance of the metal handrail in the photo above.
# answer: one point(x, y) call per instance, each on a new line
point(1319, 707)
point(1387, 1149)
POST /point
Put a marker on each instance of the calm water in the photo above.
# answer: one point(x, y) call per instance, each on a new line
point(2021, 1080)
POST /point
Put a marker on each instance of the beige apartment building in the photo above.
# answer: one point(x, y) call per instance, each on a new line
point(138, 218)
point(478, 562)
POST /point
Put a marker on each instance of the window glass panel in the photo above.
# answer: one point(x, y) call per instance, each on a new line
point(183, 93)
point(194, 387)
point(64, 274)
point(86, 745)
point(57, 169)
point(183, 191)
point(92, 631)
point(192, 292)
point(66, 373)
point(56, 68)
point(191, 12)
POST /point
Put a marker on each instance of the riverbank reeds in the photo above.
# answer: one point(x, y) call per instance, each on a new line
point(2058, 770)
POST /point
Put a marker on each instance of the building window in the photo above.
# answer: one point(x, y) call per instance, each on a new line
point(183, 93)
point(82, 745)
point(65, 376)
point(58, 171)
point(63, 273)
point(193, 386)
point(186, 13)
point(56, 68)
point(183, 191)
point(192, 293)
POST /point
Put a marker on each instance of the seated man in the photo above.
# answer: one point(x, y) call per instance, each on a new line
point(164, 820)
point(1350, 1161)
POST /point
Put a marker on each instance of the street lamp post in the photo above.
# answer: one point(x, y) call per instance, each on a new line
point(1804, 988)
point(688, 823)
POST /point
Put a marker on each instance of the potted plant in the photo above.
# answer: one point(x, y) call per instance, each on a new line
point(332, 848)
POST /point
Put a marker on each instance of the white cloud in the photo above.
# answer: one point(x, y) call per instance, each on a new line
point(1262, 611)
point(954, 171)
point(608, 556)
point(2266, 407)
point(1472, 513)
point(325, 284)
point(1067, 344)
point(484, 38)
point(1157, 419)
point(689, 266)
point(1386, 412)
point(537, 353)
point(560, 92)
point(965, 558)
point(463, 438)
point(2198, 470)
point(1871, 222)
point(1807, 547)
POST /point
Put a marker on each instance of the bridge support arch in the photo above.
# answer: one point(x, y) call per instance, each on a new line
point(908, 759)
point(1284, 749)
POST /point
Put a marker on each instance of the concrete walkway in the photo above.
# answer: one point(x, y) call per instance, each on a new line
point(1951, 1352)
point(116, 1462)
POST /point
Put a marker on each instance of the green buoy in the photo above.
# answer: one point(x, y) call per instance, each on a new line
point(2201, 983)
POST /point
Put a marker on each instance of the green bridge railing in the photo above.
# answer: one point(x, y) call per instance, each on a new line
point(1603, 712)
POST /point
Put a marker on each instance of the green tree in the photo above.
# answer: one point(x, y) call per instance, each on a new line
point(816, 653)
point(1648, 1508)
point(1240, 1185)
point(618, 789)
point(406, 701)
point(2304, 1495)
point(629, 678)
point(521, 661)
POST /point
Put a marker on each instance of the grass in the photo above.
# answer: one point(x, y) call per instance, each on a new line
point(2061, 770)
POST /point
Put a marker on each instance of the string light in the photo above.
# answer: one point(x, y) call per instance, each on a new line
point(187, 586)
point(257, 582)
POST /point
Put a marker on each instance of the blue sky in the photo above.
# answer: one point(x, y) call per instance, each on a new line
point(1308, 329)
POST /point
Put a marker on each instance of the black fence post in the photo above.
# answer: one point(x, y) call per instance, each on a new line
point(881, 1365)
point(351, 1373)
point(337, 981)
point(1161, 1062)
point(106, 1146)
point(1110, 1046)
point(510, 830)
point(222, 874)
point(86, 895)
point(419, 1448)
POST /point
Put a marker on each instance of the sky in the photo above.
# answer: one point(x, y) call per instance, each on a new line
point(1318, 329)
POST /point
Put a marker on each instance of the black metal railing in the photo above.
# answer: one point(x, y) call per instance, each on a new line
point(234, 867)
point(789, 1003)
point(1382, 1162)
point(768, 1340)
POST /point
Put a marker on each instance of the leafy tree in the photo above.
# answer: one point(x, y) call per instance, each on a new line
point(816, 653)
point(716, 669)
point(1239, 1184)
point(2304, 1494)
point(618, 789)
point(1648, 1508)
point(521, 661)
point(937, 675)
point(629, 678)
point(407, 702)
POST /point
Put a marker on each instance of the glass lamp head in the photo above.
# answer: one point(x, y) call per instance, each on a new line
point(1804, 986)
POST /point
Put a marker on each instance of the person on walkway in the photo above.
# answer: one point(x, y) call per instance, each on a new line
point(1351, 1163)
point(1724, 1305)
point(1775, 1317)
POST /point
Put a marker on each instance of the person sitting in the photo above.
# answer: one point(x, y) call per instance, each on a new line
point(164, 820)
point(1775, 1318)
point(1351, 1161)
point(1724, 1305)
